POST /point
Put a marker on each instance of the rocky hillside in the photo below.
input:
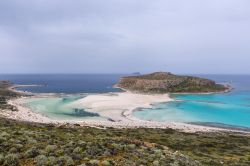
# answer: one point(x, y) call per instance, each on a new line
point(163, 82)
point(6, 94)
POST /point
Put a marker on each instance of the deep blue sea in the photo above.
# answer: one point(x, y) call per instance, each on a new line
point(66, 83)
point(225, 109)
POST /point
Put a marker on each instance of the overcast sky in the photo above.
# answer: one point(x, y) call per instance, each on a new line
point(124, 36)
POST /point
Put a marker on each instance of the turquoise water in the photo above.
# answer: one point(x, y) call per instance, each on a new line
point(226, 109)
point(60, 108)
point(229, 109)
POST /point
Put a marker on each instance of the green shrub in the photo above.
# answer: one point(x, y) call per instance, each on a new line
point(31, 141)
point(11, 160)
point(77, 150)
point(156, 163)
point(41, 160)
point(65, 160)
point(94, 162)
point(131, 146)
point(5, 134)
point(70, 144)
point(157, 152)
point(2, 139)
point(77, 157)
point(42, 152)
point(32, 152)
point(105, 163)
point(1, 159)
point(52, 161)
point(59, 152)
point(81, 143)
point(18, 146)
point(13, 150)
point(50, 149)
point(69, 160)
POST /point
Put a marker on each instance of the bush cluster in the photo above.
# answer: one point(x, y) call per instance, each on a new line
point(23, 144)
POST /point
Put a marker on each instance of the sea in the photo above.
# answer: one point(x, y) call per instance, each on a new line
point(230, 110)
point(65, 83)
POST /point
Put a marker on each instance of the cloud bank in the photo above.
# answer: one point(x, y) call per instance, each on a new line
point(123, 36)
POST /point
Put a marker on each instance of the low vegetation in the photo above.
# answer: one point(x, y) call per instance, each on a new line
point(5, 95)
point(27, 144)
point(37, 144)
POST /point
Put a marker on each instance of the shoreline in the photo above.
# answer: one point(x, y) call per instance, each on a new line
point(120, 116)
point(228, 89)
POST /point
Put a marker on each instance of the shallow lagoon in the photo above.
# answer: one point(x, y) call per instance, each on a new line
point(60, 108)
point(202, 108)
point(215, 109)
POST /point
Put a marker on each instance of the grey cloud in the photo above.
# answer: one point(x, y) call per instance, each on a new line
point(124, 36)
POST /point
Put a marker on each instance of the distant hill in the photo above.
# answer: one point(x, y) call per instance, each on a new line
point(163, 82)
point(136, 73)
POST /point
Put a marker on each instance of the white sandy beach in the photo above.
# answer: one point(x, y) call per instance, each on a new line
point(115, 106)
point(119, 106)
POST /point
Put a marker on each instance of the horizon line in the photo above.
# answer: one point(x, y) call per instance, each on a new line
point(177, 73)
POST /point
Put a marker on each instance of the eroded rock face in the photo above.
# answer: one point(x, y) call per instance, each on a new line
point(163, 82)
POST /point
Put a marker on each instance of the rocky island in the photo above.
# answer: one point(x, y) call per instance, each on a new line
point(166, 82)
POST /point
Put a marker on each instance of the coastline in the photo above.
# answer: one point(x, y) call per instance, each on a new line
point(119, 117)
point(27, 115)
point(229, 89)
point(14, 88)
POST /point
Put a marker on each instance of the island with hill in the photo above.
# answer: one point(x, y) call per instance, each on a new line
point(166, 82)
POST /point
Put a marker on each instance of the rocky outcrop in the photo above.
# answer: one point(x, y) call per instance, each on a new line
point(163, 82)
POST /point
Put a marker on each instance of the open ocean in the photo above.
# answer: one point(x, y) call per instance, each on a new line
point(225, 109)
point(66, 83)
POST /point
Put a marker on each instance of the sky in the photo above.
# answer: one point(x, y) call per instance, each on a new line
point(125, 36)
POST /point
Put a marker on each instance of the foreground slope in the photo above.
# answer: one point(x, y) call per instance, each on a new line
point(27, 144)
point(39, 144)
point(163, 82)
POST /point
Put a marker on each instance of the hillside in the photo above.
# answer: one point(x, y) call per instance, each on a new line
point(38, 144)
point(6, 94)
point(163, 82)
